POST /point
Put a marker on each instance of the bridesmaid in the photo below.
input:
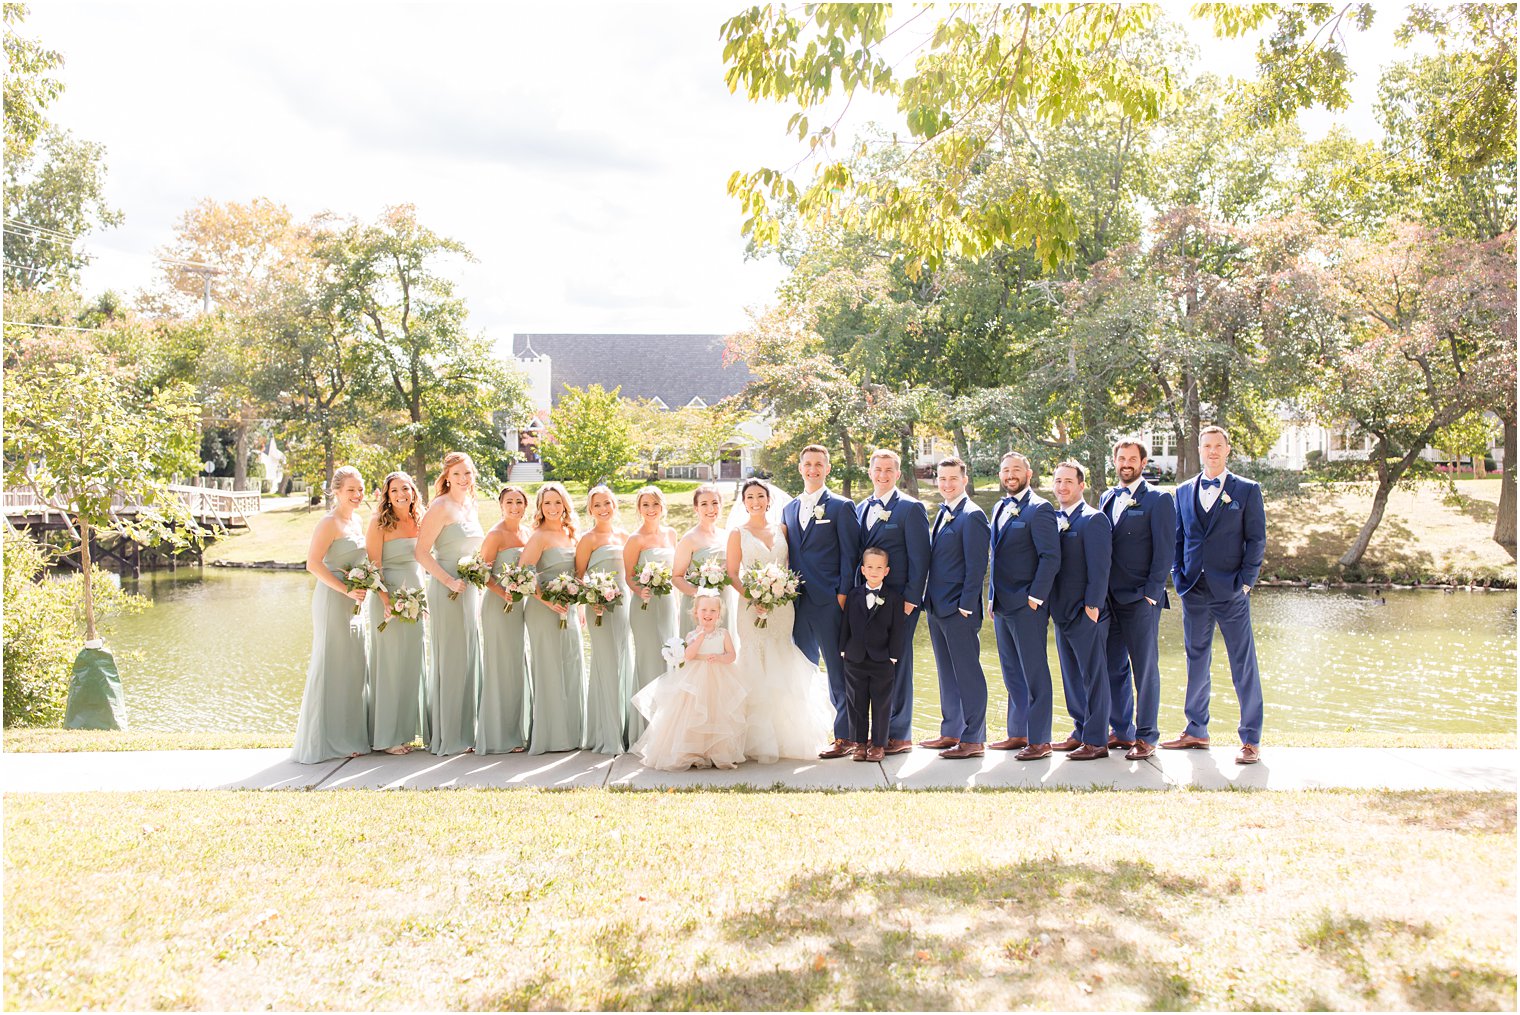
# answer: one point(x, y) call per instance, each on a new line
point(332, 722)
point(503, 724)
point(609, 685)
point(702, 542)
point(396, 656)
point(451, 530)
point(557, 667)
point(651, 628)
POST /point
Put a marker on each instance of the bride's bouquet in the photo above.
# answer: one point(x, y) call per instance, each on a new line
point(655, 578)
point(474, 571)
point(364, 575)
point(769, 585)
point(518, 580)
point(562, 590)
point(407, 604)
point(710, 574)
point(601, 590)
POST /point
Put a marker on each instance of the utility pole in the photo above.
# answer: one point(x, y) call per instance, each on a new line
point(205, 271)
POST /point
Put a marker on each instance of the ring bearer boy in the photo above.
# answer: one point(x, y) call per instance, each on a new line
point(871, 642)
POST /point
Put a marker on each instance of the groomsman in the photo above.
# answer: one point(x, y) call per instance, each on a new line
point(1145, 541)
point(898, 524)
point(1079, 606)
point(958, 545)
point(824, 546)
point(1026, 552)
point(1221, 542)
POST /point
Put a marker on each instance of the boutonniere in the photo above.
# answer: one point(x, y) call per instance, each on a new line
point(1224, 497)
point(1013, 507)
point(873, 600)
point(1062, 524)
point(818, 513)
point(877, 514)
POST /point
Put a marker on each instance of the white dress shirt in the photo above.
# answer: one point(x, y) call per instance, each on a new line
point(886, 507)
point(806, 503)
point(1208, 495)
point(1124, 490)
point(943, 518)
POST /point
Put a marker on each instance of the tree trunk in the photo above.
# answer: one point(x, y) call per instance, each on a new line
point(328, 465)
point(419, 472)
point(963, 446)
point(849, 459)
point(1187, 452)
point(240, 457)
point(910, 462)
point(1375, 518)
point(1504, 526)
point(86, 566)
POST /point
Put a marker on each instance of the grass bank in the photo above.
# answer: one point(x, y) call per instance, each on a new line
point(760, 901)
point(56, 741)
point(1424, 538)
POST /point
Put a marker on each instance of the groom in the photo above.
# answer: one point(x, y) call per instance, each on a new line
point(823, 537)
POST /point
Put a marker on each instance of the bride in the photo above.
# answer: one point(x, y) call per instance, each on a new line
point(787, 697)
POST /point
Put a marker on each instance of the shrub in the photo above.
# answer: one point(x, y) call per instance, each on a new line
point(44, 621)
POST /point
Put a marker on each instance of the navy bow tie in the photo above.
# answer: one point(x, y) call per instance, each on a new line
point(1208, 483)
point(871, 502)
point(1007, 500)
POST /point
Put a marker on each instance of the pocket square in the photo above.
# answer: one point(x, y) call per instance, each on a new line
point(823, 521)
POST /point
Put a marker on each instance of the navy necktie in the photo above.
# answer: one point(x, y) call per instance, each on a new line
point(1211, 483)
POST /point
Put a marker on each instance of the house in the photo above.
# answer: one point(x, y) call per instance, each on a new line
point(671, 371)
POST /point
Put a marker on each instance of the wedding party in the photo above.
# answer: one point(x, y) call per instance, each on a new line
point(705, 647)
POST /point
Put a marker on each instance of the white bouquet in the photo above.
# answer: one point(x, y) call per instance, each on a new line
point(364, 575)
point(473, 571)
point(562, 590)
point(600, 589)
point(674, 652)
point(407, 604)
point(519, 581)
point(655, 578)
point(769, 586)
point(712, 573)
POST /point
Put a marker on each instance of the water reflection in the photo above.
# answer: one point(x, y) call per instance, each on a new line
point(227, 650)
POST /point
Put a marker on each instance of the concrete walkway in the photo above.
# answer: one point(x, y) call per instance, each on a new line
point(1281, 768)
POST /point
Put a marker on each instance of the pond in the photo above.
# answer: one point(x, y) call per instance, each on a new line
point(227, 651)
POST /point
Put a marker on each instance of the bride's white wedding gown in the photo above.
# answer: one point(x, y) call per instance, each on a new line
point(788, 714)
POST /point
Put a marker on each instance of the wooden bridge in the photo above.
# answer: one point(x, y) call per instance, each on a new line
point(217, 512)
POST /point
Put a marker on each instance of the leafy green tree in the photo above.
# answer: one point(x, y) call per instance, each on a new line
point(590, 439)
point(42, 620)
point(78, 440)
point(30, 85)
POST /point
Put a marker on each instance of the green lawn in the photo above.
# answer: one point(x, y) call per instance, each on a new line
point(888, 900)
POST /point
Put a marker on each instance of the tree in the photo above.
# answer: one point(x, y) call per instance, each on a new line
point(589, 437)
point(50, 202)
point(389, 288)
point(79, 441)
point(1430, 339)
point(30, 85)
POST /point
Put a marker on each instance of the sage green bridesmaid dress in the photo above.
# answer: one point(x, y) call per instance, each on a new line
point(396, 657)
point(609, 683)
point(650, 628)
point(454, 676)
point(333, 722)
point(730, 597)
point(556, 664)
point(503, 723)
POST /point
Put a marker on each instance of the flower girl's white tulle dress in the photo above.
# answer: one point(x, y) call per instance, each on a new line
point(695, 712)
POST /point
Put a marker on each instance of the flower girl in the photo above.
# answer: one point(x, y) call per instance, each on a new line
point(696, 707)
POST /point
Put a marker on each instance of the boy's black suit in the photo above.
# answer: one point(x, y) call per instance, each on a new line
point(870, 637)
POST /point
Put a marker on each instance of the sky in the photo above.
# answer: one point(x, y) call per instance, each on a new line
point(580, 151)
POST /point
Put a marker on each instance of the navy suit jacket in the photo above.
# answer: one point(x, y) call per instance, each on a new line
point(872, 635)
point(1145, 542)
point(1026, 553)
point(1086, 551)
point(958, 563)
point(827, 554)
point(904, 534)
point(1225, 545)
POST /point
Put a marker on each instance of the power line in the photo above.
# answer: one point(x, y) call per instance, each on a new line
point(52, 327)
point(41, 230)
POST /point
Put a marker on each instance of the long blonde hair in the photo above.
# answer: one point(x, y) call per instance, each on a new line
point(386, 514)
point(569, 522)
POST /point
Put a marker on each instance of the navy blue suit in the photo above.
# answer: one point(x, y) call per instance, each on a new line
point(904, 534)
point(1026, 553)
point(1145, 541)
point(1217, 552)
point(826, 555)
point(957, 576)
point(1081, 642)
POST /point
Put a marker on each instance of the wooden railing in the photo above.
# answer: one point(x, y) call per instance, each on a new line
point(217, 506)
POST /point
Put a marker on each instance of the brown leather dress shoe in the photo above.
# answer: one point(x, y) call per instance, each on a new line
point(1185, 742)
point(1011, 744)
point(899, 746)
point(1114, 743)
point(1249, 754)
point(939, 743)
point(839, 750)
point(1087, 752)
point(1069, 744)
point(874, 753)
point(1034, 752)
point(1140, 751)
point(965, 749)
point(859, 754)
